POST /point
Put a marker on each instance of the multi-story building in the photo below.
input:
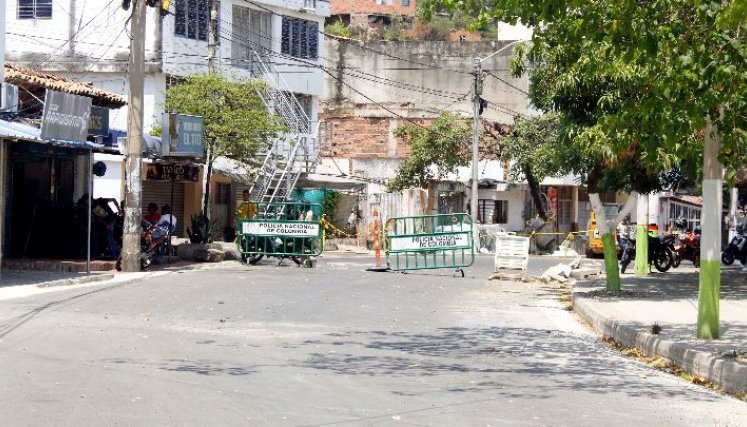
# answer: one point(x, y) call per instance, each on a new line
point(279, 40)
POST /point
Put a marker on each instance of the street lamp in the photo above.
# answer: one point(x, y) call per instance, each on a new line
point(476, 129)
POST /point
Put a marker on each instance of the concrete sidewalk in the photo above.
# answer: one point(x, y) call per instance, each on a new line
point(671, 301)
point(49, 278)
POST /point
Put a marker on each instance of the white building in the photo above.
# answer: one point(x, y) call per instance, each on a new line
point(280, 40)
point(89, 41)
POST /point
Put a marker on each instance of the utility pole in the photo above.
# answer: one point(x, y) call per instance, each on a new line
point(212, 48)
point(212, 35)
point(475, 142)
point(133, 160)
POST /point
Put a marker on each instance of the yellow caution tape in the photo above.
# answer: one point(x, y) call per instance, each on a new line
point(329, 226)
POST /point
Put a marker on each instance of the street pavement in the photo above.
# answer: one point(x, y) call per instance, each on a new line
point(333, 345)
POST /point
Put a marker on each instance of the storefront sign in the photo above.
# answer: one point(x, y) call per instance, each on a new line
point(183, 135)
point(425, 242)
point(167, 172)
point(290, 229)
point(98, 122)
point(65, 117)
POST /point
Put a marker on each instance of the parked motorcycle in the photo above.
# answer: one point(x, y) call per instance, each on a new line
point(150, 245)
point(737, 248)
point(658, 253)
point(687, 249)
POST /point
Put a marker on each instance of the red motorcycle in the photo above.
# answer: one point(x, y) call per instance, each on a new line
point(688, 248)
point(152, 240)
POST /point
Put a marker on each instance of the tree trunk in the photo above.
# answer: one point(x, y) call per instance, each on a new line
point(534, 190)
point(641, 237)
point(710, 243)
point(607, 229)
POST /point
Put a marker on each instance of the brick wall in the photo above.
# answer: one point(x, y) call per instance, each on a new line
point(364, 137)
point(395, 7)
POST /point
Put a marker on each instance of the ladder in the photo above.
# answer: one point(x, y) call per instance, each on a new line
point(292, 152)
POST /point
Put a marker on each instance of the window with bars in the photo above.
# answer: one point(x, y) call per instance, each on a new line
point(192, 18)
point(300, 38)
point(492, 211)
point(405, 3)
point(34, 9)
point(251, 32)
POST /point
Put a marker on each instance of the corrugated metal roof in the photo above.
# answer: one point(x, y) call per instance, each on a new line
point(25, 132)
point(29, 78)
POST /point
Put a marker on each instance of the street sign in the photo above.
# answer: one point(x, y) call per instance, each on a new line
point(65, 117)
point(98, 122)
point(183, 136)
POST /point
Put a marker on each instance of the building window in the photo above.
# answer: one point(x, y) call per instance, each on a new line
point(192, 18)
point(34, 9)
point(405, 3)
point(300, 38)
point(492, 211)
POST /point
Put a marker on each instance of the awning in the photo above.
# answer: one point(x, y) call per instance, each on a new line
point(26, 132)
point(330, 182)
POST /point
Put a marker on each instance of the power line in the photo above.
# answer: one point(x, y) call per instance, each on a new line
point(507, 83)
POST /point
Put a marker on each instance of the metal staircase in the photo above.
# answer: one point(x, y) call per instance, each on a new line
point(291, 153)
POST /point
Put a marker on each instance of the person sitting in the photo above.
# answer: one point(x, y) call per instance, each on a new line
point(103, 227)
point(153, 215)
point(164, 227)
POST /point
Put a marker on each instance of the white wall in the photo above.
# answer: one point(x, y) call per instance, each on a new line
point(515, 200)
point(99, 42)
point(183, 56)
point(109, 185)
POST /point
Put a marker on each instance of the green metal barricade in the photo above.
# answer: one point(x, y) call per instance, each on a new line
point(280, 229)
point(429, 242)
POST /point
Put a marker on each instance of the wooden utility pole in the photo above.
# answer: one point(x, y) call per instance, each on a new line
point(133, 156)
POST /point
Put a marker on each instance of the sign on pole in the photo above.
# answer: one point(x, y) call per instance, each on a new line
point(98, 122)
point(183, 136)
point(65, 117)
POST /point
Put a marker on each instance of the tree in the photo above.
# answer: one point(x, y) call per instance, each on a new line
point(532, 146)
point(237, 122)
point(443, 144)
point(684, 95)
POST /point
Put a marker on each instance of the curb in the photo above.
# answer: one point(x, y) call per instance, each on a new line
point(728, 374)
point(75, 281)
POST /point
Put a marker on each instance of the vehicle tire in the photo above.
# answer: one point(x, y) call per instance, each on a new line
point(145, 261)
point(624, 261)
point(696, 261)
point(727, 258)
point(118, 263)
point(676, 260)
point(253, 259)
point(663, 261)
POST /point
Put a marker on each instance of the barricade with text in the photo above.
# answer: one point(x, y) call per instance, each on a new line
point(281, 229)
point(430, 242)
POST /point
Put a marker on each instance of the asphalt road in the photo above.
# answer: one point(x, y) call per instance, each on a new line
point(333, 345)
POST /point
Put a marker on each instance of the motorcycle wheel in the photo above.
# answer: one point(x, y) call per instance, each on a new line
point(727, 258)
point(145, 261)
point(696, 261)
point(118, 263)
point(663, 261)
point(676, 260)
point(253, 259)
